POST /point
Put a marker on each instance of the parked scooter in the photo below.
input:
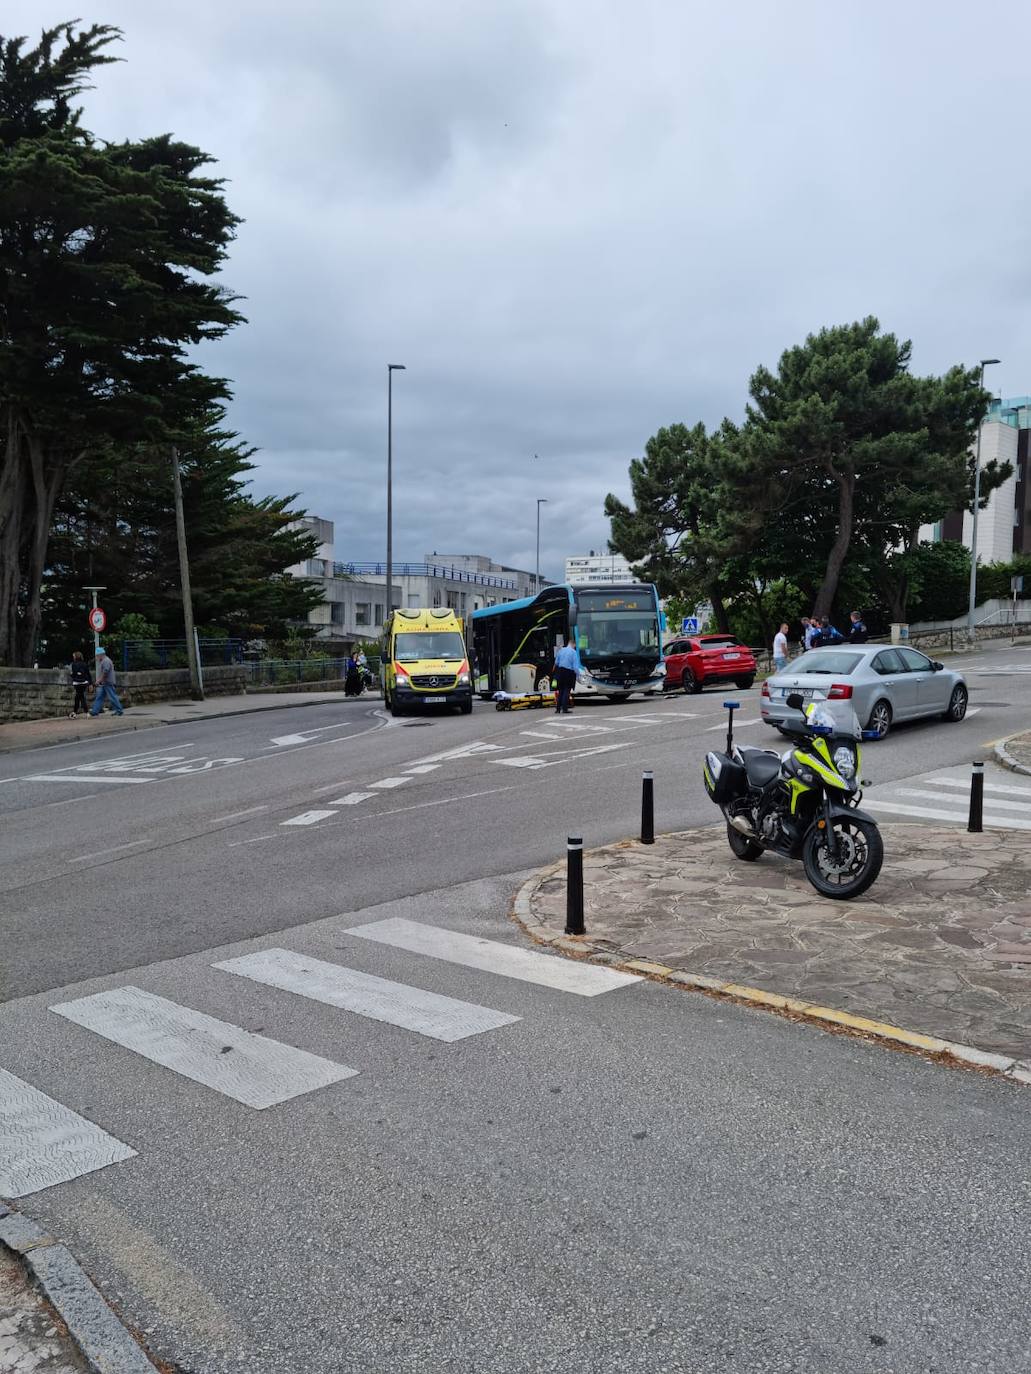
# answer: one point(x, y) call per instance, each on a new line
point(803, 804)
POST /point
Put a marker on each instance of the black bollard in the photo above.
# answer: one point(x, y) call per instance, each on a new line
point(974, 824)
point(647, 809)
point(575, 885)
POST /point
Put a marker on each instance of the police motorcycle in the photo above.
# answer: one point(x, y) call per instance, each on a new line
point(804, 803)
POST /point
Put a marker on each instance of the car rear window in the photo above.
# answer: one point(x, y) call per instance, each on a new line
point(832, 661)
point(721, 642)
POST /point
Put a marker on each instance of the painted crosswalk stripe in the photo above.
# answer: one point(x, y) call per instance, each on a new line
point(352, 799)
point(308, 818)
point(390, 782)
point(491, 956)
point(992, 787)
point(929, 813)
point(43, 1142)
point(248, 1068)
point(423, 768)
point(958, 800)
point(442, 1018)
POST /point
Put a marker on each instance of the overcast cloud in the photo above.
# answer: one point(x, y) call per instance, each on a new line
point(573, 222)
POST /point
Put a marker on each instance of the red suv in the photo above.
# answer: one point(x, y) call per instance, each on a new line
point(694, 663)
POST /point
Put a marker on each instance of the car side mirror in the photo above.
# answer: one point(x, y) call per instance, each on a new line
point(796, 701)
point(936, 666)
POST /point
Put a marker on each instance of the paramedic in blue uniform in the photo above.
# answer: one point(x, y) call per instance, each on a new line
point(567, 669)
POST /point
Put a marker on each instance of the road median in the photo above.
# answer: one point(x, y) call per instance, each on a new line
point(936, 958)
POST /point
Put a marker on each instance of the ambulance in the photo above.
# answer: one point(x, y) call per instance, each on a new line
point(424, 661)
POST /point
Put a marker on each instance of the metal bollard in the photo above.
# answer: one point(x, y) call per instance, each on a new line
point(647, 809)
point(976, 799)
point(575, 885)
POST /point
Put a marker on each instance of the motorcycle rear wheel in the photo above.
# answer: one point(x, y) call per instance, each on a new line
point(742, 846)
point(861, 853)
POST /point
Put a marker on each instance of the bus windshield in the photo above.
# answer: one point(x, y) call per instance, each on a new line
point(617, 625)
point(447, 644)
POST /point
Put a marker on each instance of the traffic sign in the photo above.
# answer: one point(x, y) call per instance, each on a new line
point(97, 619)
point(689, 625)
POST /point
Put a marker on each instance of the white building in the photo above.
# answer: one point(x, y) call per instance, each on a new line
point(599, 567)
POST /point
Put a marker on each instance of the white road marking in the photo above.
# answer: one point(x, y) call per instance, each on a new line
point(43, 1142)
point(289, 739)
point(557, 756)
point(308, 818)
point(390, 782)
point(526, 761)
point(352, 799)
point(961, 801)
point(1000, 787)
point(99, 853)
point(248, 1068)
point(423, 768)
point(738, 725)
point(70, 801)
point(235, 815)
point(91, 778)
point(463, 751)
point(440, 801)
point(491, 956)
point(427, 1013)
point(931, 814)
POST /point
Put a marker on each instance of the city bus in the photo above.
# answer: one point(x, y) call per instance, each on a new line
point(617, 629)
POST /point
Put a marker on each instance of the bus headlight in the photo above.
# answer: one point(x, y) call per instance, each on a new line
point(845, 761)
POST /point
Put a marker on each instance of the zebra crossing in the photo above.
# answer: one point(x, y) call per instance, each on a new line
point(944, 795)
point(43, 1142)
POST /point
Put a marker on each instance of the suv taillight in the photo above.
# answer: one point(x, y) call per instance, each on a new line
point(840, 691)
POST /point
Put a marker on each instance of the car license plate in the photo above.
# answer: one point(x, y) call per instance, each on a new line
point(731, 655)
point(435, 701)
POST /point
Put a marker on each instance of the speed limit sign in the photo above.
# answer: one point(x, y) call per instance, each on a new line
point(97, 619)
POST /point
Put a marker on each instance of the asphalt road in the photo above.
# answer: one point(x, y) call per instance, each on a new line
point(639, 1180)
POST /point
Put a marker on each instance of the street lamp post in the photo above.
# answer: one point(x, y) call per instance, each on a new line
point(541, 501)
point(971, 634)
point(391, 369)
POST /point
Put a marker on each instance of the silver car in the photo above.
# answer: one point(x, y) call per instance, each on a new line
point(882, 683)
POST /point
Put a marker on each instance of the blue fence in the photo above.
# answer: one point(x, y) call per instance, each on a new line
point(140, 654)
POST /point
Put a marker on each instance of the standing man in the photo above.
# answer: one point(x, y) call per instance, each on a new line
point(857, 631)
point(567, 669)
point(812, 634)
point(780, 649)
point(105, 685)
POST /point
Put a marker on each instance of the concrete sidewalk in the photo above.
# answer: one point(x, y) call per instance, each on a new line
point(940, 947)
point(31, 734)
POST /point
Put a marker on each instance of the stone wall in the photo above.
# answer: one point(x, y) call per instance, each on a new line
point(37, 693)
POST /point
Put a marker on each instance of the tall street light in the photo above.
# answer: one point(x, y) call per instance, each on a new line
point(541, 501)
point(391, 369)
point(971, 634)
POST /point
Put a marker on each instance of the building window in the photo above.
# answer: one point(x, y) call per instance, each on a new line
point(379, 615)
point(362, 612)
point(436, 598)
point(337, 609)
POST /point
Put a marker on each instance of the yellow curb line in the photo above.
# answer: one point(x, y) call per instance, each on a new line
point(579, 947)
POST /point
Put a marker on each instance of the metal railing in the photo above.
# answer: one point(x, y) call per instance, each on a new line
point(276, 672)
point(137, 655)
point(442, 570)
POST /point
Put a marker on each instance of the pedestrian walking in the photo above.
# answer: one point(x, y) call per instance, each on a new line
point(81, 681)
point(857, 632)
point(567, 670)
point(780, 649)
point(105, 685)
point(352, 678)
point(812, 632)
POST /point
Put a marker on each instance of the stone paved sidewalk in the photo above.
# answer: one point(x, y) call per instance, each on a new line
point(1015, 752)
point(941, 944)
point(30, 1340)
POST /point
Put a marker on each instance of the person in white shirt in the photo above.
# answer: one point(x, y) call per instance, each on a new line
point(780, 649)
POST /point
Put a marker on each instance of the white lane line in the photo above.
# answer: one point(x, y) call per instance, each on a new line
point(543, 734)
point(738, 725)
point(557, 756)
point(308, 818)
point(90, 778)
point(960, 801)
point(248, 1068)
point(43, 1142)
point(331, 787)
point(441, 801)
point(461, 752)
point(427, 1013)
point(69, 801)
point(964, 783)
point(235, 815)
point(526, 761)
point(115, 849)
point(930, 814)
point(289, 739)
point(491, 956)
point(423, 768)
point(390, 782)
point(352, 799)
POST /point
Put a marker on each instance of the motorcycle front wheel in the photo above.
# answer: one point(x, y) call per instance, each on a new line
point(860, 855)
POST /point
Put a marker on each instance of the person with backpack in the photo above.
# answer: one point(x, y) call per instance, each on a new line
point(829, 634)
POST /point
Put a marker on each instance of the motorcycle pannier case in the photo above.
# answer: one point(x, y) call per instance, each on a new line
point(724, 778)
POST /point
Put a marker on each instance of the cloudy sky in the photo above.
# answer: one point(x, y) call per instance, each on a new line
point(573, 222)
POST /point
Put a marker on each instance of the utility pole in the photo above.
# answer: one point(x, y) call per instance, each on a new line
point(971, 631)
point(192, 646)
point(96, 633)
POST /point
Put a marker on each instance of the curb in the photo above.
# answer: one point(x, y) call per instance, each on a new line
point(1006, 759)
point(159, 724)
point(102, 1340)
point(580, 947)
